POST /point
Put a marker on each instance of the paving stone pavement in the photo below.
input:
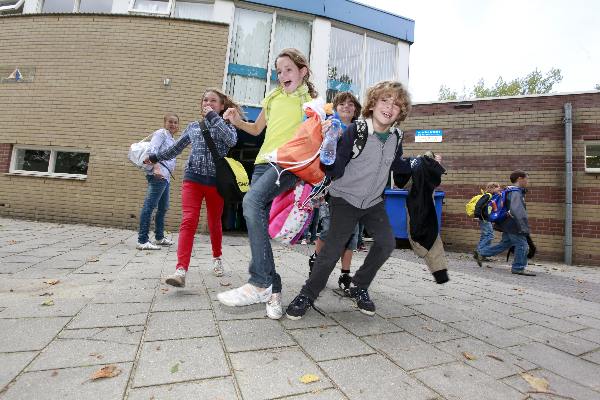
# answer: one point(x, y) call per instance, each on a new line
point(76, 298)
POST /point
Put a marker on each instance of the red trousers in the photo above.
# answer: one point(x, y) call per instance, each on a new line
point(192, 194)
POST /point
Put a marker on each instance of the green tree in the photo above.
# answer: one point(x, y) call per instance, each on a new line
point(533, 83)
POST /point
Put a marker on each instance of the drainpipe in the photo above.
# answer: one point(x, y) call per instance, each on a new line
point(568, 184)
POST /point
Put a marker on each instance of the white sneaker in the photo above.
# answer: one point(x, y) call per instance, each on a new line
point(218, 269)
point(274, 310)
point(163, 242)
point(147, 246)
point(303, 241)
point(177, 279)
point(244, 296)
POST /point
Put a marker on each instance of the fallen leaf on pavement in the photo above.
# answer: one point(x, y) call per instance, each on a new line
point(539, 384)
point(222, 283)
point(93, 259)
point(52, 281)
point(54, 373)
point(175, 368)
point(468, 355)
point(103, 243)
point(47, 294)
point(12, 242)
point(580, 281)
point(428, 328)
point(48, 302)
point(309, 378)
point(108, 371)
point(96, 355)
point(495, 357)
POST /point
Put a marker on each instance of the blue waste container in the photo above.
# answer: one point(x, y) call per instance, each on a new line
point(395, 205)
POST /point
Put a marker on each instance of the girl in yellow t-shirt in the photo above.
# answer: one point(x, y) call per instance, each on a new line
point(281, 115)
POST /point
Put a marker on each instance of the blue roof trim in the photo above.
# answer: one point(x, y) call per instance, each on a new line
point(351, 13)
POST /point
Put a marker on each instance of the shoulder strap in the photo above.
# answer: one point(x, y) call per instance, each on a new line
point(360, 139)
point(209, 141)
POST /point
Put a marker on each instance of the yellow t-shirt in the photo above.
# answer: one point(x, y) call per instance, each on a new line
point(283, 113)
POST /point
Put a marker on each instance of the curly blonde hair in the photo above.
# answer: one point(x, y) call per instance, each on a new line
point(300, 60)
point(384, 89)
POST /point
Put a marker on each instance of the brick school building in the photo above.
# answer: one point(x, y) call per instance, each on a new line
point(484, 140)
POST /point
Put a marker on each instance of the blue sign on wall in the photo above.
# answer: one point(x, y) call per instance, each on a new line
point(428, 136)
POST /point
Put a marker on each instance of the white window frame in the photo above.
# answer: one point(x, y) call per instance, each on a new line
point(51, 163)
point(585, 148)
point(12, 7)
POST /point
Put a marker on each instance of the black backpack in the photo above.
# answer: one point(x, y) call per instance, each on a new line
point(362, 134)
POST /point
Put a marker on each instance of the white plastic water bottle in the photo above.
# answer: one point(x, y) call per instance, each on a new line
point(330, 142)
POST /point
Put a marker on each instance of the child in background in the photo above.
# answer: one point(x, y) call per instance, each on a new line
point(199, 181)
point(486, 236)
point(356, 194)
point(281, 115)
point(159, 179)
point(515, 227)
point(347, 110)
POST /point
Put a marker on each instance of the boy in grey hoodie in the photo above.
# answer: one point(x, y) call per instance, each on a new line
point(360, 173)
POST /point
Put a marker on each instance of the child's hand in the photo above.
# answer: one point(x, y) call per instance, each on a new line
point(206, 110)
point(325, 125)
point(232, 115)
point(438, 158)
point(157, 172)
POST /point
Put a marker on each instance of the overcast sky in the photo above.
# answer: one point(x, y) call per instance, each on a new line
point(459, 41)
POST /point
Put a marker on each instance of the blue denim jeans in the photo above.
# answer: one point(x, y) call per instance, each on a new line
point(509, 240)
point(486, 236)
point(157, 197)
point(257, 204)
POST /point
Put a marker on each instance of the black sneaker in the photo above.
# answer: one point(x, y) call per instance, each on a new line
point(363, 301)
point(478, 258)
point(298, 307)
point(344, 281)
point(311, 262)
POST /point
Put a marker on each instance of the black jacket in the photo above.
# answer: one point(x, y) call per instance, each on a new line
point(426, 176)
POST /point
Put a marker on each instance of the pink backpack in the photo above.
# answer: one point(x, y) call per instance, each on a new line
point(291, 213)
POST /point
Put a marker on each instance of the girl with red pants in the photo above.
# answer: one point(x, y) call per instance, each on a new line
point(199, 181)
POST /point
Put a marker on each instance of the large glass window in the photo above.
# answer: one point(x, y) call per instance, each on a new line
point(357, 61)
point(99, 6)
point(290, 32)
point(249, 56)
point(345, 63)
point(58, 6)
point(380, 62)
point(193, 10)
point(50, 162)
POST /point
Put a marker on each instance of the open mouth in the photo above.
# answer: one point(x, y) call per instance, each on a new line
point(387, 115)
point(287, 83)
